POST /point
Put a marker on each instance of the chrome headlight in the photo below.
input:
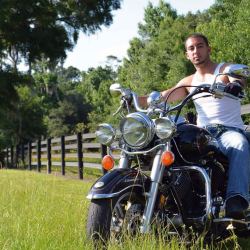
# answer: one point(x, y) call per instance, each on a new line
point(105, 133)
point(164, 127)
point(137, 130)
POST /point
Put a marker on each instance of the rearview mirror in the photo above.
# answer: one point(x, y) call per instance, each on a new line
point(115, 89)
point(154, 98)
point(238, 71)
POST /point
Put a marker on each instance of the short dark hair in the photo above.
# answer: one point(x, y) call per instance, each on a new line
point(197, 35)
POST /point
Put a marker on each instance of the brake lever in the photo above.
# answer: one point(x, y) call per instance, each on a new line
point(124, 104)
point(118, 110)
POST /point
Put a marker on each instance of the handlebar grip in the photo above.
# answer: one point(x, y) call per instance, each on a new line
point(232, 90)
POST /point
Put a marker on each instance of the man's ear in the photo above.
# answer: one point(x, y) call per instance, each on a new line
point(186, 54)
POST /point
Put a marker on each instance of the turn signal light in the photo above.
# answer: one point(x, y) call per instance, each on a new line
point(108, 162)
point(167, 158)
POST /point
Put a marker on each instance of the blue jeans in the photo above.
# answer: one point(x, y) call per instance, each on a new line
point(234, 144)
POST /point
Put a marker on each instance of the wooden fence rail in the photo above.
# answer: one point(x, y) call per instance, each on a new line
point(79, 151)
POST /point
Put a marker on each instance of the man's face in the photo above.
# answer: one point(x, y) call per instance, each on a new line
point(197, 50)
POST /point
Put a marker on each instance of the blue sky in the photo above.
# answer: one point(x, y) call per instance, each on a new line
point(92, 51)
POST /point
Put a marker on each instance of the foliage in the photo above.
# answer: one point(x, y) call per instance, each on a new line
point(230, 44)
point(159, 61)
point(32, 29)
point(95, 88)
point(156, 59)
point(153, 17)
point(38, 33)
point(61, 100)
point(25, 121)
point(63, 119)
point(14, 122)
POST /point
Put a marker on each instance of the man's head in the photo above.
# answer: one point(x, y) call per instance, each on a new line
point(197, 35)
point(197, 49)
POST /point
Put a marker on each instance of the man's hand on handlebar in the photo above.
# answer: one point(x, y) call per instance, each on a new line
point(234, 88)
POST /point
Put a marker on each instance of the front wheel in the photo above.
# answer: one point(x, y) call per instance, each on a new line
point(112, 217)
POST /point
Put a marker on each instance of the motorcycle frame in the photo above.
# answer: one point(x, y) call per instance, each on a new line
point(206, 219)
point(155, 180)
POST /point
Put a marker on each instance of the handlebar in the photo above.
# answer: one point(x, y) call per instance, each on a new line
point(136, 103)
point(217, 89)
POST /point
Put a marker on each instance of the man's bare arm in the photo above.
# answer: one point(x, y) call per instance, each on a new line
point(173, 94)
point(176, 93)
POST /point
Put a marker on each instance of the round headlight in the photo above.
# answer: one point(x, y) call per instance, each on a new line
point(105, 133)
point(137, 130)
point(164, 127)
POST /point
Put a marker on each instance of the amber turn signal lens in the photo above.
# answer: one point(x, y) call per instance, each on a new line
point(167, 158)
point(108, 162)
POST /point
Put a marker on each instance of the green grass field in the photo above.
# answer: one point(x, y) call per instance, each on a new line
point(40, 211)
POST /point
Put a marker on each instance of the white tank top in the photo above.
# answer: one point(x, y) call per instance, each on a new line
point(225, 111)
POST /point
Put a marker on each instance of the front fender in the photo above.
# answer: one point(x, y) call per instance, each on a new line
point(117, 181)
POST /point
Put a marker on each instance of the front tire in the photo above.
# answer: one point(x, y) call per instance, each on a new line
point(109, 217)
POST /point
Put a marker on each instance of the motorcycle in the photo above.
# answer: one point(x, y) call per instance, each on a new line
point(171, 173)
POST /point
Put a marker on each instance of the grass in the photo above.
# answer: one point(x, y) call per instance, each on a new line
point(40, 211)
point(72, 172)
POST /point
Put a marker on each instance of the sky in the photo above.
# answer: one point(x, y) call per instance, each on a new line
point(92, 51)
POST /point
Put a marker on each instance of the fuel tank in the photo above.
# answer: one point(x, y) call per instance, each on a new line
point(194, 143)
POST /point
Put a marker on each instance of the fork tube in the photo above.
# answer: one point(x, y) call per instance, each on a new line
point(123, 162)
point(156, 178)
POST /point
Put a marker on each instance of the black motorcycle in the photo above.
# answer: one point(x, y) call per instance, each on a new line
point(171, 173)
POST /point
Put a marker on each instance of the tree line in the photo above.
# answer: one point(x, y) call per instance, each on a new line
point(49, 100)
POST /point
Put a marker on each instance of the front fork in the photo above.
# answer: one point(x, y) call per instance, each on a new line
point(156, 178)
point(124, 161)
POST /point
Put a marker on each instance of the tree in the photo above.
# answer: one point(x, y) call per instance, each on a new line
point(95, 89)
point(24, 121)
point(32, 29)
point(159, 61)
point(64, 118)
point(153, 16)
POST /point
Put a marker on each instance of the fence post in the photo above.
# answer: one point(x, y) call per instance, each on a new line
point(30, 155)
point(16, 156)
point(103, 153)
point(11, 157)
point(79, 155)
point(63, 154)
point(22, 155)
point(38, 155)
point(7, 157)
point(49, 155)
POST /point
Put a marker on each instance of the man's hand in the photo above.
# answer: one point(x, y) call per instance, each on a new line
point(234, 88)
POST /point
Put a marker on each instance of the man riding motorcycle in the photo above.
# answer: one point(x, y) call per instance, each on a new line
point(221, 117)
point(172, 173)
